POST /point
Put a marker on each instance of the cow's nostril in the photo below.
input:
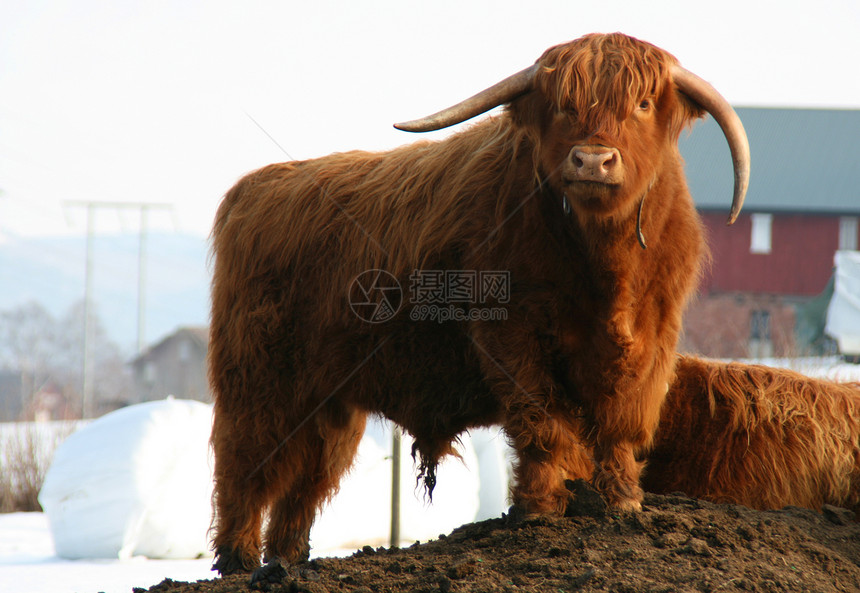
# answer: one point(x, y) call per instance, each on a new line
point(610, 160)
point(603, 159)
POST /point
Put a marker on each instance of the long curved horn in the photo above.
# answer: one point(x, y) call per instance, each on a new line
point(503, 91)
point(707, 96)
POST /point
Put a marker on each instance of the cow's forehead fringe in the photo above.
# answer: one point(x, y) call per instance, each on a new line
point(602, 77)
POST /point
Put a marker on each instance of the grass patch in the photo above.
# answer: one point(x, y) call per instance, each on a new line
point(26, 451)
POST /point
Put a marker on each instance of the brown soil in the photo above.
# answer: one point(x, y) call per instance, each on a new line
point(676, 544)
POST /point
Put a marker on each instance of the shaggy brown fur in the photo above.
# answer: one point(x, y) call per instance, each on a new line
point(592, 319)
point(757, 436)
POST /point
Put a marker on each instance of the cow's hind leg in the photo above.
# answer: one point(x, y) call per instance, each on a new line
point(324, 447)
point(242, 492)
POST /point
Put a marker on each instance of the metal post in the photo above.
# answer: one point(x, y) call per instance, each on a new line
point(141, 280)
point(86, 397)
point(395, 487)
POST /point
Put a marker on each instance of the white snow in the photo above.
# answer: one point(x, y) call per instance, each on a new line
point(28, 564)
point(832, 368)
point(131, 489)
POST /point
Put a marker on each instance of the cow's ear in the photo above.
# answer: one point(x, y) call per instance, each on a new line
point(530, 114)
point(686, 112)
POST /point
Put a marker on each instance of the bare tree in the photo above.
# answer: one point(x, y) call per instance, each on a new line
point(27, 344)
point(45, 350)
point(111, 381)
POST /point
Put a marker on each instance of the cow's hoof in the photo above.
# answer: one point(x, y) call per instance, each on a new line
point(270, 573)
point(628, 504)
point(229, 561)
point(585, 500)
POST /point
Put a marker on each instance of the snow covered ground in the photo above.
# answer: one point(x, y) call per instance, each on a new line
point(828, 367)
point(28, 564)
point(124, 486)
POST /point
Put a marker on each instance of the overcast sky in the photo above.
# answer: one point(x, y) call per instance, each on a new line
point(171, 102)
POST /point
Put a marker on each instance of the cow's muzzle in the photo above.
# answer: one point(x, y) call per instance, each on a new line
point(595, 163)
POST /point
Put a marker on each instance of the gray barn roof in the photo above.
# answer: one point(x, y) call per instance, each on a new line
point(803, 161)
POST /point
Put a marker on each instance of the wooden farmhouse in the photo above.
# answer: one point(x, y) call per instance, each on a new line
point(766, 289)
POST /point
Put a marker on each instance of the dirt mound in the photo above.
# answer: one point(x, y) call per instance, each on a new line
point(676, 544)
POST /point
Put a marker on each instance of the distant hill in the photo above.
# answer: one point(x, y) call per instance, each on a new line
point(51, 271)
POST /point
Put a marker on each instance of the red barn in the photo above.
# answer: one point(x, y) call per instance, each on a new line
point(758, 298)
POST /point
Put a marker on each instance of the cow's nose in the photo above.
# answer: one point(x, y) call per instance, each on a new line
point(595, 163)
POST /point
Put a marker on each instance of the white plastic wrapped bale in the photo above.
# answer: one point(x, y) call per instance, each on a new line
point(495, 458)
point(135, 482)
point(843, 314)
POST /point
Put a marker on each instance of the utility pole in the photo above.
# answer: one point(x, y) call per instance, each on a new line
point(91, 207)
point(141, 268)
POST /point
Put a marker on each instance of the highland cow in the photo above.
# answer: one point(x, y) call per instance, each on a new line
point(561, 192)
point(757, 436)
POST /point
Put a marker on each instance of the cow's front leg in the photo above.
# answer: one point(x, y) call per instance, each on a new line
point(548, 453)
point(616, 476)
point(617, 425)
point(539, 424)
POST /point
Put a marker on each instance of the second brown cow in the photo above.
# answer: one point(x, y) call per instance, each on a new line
point(758, 436)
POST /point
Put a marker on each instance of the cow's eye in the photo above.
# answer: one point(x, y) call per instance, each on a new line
point(645, 105)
